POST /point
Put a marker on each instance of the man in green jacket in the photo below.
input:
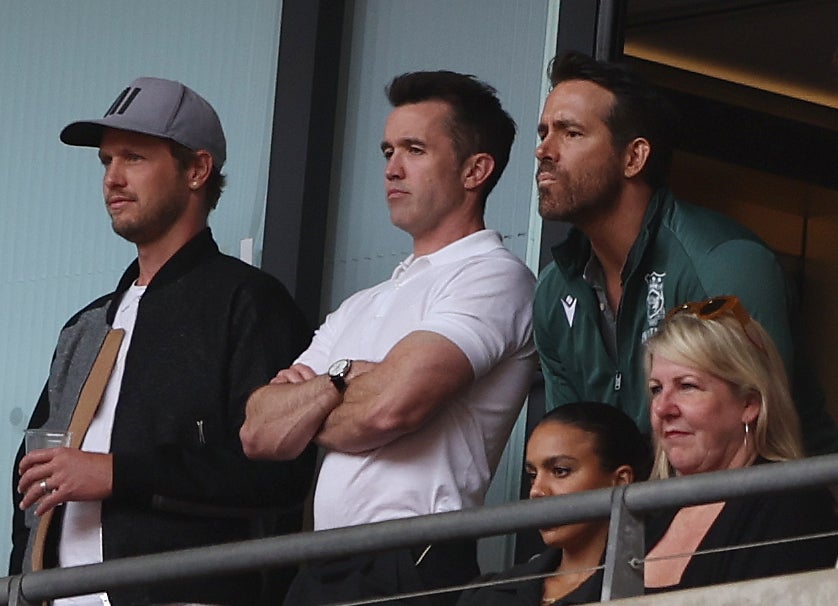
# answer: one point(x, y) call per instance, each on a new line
point(634, 251)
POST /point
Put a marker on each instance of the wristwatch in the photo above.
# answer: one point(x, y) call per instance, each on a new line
point(338, 371)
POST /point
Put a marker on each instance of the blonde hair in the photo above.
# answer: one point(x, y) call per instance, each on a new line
point(748, 361)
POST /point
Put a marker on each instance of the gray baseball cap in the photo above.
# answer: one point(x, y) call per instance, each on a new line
point(162, 108)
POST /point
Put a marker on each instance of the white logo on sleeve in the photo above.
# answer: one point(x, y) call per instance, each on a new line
point(569, 304)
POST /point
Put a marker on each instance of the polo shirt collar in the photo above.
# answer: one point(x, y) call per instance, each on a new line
point(480, 242)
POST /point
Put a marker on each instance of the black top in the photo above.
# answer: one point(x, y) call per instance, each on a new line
point(752, 519)
point(529, 592)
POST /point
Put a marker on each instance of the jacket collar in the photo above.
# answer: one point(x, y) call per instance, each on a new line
point(572, 254)
point(660, 201)
point(184, 260)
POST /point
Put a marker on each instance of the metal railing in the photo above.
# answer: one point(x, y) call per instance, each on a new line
point(625, 505)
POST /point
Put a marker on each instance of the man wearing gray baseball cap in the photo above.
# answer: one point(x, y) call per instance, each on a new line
point(158, 465)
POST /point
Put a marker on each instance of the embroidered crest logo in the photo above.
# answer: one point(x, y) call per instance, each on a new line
point(569, 304)
point(655, 304)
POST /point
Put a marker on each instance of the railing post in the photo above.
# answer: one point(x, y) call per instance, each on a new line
point(623, 576)
point(16, 597)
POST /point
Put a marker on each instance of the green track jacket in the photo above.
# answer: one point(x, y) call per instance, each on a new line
point(683, 253)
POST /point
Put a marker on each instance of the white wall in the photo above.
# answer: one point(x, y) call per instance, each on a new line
point(63, 61)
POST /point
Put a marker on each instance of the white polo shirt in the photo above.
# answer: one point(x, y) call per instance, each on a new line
point(478, 295)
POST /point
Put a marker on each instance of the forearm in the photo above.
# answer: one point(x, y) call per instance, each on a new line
point(421, 374)
point(281, 419)
point(357, 426)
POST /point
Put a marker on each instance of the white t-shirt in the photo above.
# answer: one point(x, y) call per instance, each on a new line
point(478, 295)
point(81, 529)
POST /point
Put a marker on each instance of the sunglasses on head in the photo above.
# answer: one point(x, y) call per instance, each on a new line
point(710, 309)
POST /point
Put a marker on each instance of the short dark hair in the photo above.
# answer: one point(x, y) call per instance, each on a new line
point(639, 110)
point(617, 440)
point(478, 121)
point(216, 181)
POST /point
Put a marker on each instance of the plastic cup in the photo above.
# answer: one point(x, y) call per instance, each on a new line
point(37, 439)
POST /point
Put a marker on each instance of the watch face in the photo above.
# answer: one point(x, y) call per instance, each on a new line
point(339, 368)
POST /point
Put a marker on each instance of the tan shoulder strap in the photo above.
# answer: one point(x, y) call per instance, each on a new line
point(89, 400)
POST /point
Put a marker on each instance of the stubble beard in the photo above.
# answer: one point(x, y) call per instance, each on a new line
point(151, 225)
point(578, 201)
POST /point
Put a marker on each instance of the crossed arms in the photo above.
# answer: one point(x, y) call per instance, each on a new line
point(382, 401)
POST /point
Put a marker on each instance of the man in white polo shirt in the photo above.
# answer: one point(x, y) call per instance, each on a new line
point(412, 386)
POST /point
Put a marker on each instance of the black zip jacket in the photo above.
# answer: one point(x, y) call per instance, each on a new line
point(210, 329)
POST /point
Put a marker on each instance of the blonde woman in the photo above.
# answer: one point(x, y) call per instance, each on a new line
point(719, 399)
